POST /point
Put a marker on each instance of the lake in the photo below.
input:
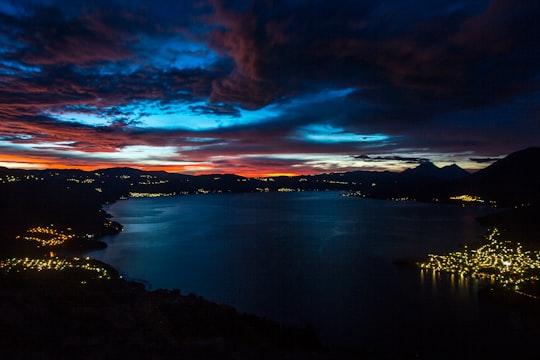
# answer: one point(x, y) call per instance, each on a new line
point(317, 259)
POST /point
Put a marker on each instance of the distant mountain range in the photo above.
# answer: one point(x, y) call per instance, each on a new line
point(447, 173)
point(510, 181)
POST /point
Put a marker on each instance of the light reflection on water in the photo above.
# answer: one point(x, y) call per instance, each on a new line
point(462, 288)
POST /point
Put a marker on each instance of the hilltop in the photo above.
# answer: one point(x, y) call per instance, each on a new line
point(512, 181)
point(447, 173)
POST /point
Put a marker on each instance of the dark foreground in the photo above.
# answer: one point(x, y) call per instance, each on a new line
point(52, 315)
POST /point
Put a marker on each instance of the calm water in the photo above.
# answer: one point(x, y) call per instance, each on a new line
point(316, 259)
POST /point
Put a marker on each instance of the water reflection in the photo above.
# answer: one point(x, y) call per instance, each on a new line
point(460, 287)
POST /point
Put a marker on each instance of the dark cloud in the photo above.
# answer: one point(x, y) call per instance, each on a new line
point(216, 109)
point(484, 160)
point(404, 159)
point(474, 56)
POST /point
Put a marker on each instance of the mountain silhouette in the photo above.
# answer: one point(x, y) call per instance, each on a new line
point(512, 181)
point(447, 173)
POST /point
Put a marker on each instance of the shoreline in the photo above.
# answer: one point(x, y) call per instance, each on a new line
point(61, 283)
point(155, 322)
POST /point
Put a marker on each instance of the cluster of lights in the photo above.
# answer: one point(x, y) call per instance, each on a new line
point(502, 261)
point(46, 236)
point(357, 193)
point(473, 199)
point(157, 182)
point(467, 198)
point(55, 264)
point(9, 179)
point(283, 189)
point(83, 181)
point(149, 195)
point(403, 199)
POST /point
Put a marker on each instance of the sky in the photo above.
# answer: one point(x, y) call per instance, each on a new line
point(259, 88)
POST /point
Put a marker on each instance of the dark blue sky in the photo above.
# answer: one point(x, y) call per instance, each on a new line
point(265, 87)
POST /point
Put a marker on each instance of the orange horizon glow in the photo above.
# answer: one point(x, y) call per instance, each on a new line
point(22, 163)
point(181, 170)
point(206, 167)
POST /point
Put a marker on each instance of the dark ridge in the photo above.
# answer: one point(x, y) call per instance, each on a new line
point(453, 172)
point(519, 225)
point(54, 316)
point(511, 181)
point(446, 173)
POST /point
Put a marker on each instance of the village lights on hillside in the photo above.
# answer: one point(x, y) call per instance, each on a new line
point(47, 236)
point(503, 261)
point(54, 264)
point(467, 198)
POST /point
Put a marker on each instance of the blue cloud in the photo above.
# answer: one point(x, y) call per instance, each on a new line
point(331, 134)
